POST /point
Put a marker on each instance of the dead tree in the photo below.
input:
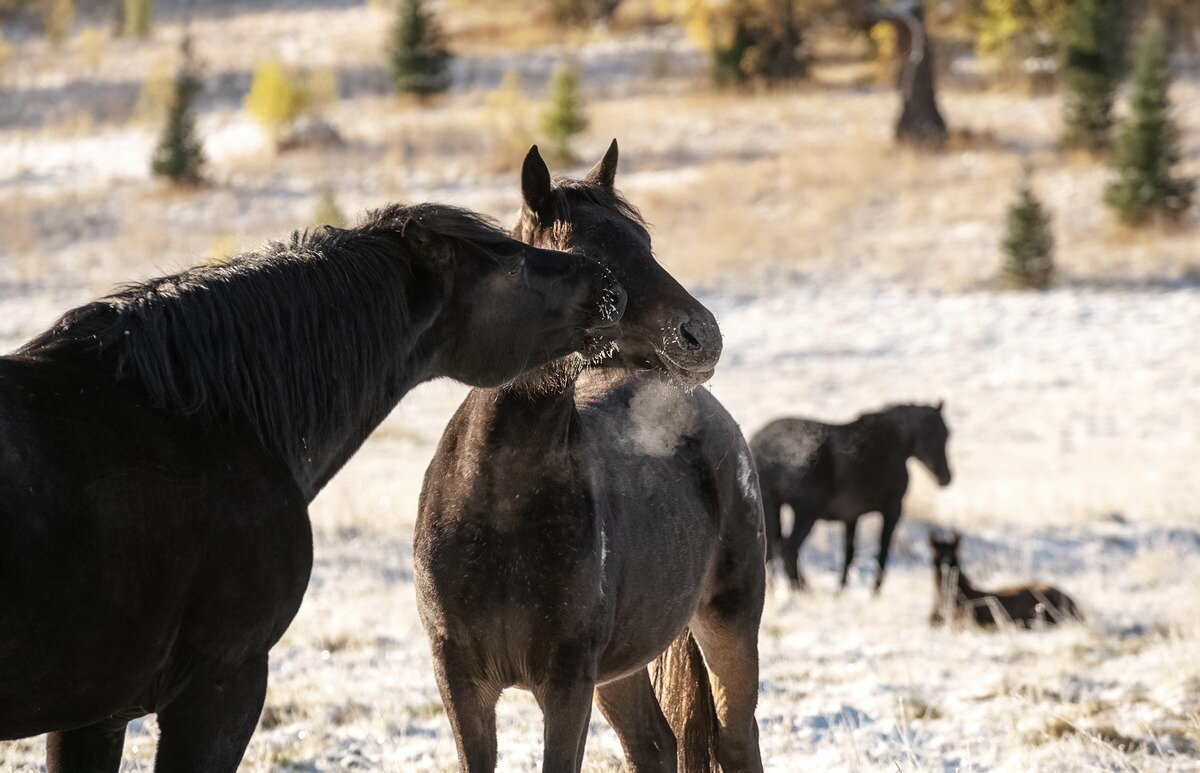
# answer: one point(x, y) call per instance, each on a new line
point(920, 123)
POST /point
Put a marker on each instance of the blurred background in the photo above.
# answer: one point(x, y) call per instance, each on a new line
point(990, 202)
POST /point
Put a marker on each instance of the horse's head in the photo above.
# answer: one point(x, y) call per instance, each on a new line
point(945, 551)
point(946, 572)
point(508, 306)
point(664, 327)
point(930, 436)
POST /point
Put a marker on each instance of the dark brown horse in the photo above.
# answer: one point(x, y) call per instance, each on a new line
point(841, 472)
point(584, 520)
point(957, 600)
point(159, 449)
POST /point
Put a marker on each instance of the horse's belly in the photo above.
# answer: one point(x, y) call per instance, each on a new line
point(634, 649)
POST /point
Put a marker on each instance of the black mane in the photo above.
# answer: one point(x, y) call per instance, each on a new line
point(284, 337)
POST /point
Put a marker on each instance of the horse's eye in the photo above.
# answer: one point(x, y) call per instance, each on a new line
point(516, 266)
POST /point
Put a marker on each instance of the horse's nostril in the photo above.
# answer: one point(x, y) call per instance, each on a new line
point(688, 338)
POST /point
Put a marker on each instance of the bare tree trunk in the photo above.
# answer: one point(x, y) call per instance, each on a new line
point(920, 123)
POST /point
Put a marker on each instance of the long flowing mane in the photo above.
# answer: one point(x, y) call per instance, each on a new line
point(287, 337)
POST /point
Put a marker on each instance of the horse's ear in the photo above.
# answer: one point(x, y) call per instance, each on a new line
point(954, 540)
point(535, 185)
point(424, 242)
point(941, 404)
point(604, 173)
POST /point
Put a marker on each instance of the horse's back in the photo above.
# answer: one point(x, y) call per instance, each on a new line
point(1039, 600)
point(793, 458)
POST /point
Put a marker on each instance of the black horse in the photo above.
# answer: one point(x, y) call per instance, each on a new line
point(575, 524)
point(159, 448)
point(955, 598)
point(841, 472)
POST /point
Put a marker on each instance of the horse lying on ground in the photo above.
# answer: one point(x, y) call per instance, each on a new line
point(159, 449)
point(578, 521)
point(956, 599)
point(841, 472)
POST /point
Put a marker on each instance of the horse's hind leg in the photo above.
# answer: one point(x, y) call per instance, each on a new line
point(773, 524)
point(630, 707)
point(91, 749)
point(725, 626)
point(208, 725)
point(730, 649)
point(471, 708)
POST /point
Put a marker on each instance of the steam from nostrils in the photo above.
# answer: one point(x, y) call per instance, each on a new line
point(660, 419)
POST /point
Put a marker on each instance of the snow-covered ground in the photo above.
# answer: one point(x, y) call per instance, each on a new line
point(860, 276)
point(1075, 444)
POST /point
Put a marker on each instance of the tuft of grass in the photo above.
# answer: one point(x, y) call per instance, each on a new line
point(281, 714)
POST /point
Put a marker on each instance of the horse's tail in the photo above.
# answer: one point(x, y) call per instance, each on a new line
point(685, 695)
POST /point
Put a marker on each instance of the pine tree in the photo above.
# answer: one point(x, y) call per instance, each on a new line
point(1145, 152)
point(1093, 57)
point(327, 211)
point(564, 116)
point(1028, 241)
point(59, 18)
point(135, 17)
point(419, 61)
point(179, 155)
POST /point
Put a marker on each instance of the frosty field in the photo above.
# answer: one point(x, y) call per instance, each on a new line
point(845, 276)
point(1074, 462)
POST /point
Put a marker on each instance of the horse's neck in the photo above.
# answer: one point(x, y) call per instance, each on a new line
point(965, 589)
point(901, 419)
point(364, 403)
point(524, 443)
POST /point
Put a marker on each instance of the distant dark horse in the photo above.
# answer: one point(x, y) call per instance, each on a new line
point(574, 524)
point(956, 599)
point(841, 472)
point(159, 449)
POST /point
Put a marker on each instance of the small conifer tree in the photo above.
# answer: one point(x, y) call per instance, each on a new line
point(419, 61)
point(59, 17)
point(136, 16)
point(327, 211)
point(91, 45)
point(1093, 57)
point(1028, 241)
point(1145, 152)
point(564, 116)
point(179, 156)
point(275, 98)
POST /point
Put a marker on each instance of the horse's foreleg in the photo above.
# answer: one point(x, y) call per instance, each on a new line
point(207, 726)
point(91, 749)
point(470, 704)
point(630, 707)
point(804, 516)
point(891, 517)
point(848, 550)
point(566, 702)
